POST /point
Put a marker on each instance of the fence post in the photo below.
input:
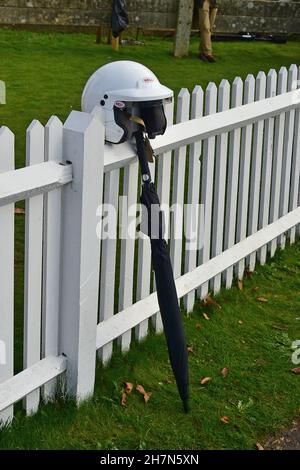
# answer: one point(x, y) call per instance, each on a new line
point(83, 146)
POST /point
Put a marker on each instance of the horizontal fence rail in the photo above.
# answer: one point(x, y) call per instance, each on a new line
point(30, 380)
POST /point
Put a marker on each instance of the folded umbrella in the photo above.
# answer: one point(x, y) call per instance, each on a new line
point(165, 284)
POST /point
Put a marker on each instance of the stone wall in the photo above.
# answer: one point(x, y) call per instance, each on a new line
point(235, 15)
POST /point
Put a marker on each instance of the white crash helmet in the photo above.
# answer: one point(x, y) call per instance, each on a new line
point(124, 89)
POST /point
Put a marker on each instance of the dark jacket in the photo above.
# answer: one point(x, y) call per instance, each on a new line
point(213, 3)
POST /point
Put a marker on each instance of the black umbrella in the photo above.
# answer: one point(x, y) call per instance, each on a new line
point(165, 285)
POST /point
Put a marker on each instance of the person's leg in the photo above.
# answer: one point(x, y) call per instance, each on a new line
point(205, 29)
point(212, 17)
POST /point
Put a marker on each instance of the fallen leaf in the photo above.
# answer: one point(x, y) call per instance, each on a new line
point(128, 387)
point(255, 288)
point(259, 446)
point(241, 322)
point(205, 380)
point(262, 299)
point(240, 284)
point(190, 350)
point(210, 301)
point(19, 211)
point(198, 326)
point(142, 391)
point(225, 420)
point(207, 317)
point(124, 398)
point(225, 372)
point(296, 370)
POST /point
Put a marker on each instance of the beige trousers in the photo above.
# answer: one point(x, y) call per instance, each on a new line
point(207, 18)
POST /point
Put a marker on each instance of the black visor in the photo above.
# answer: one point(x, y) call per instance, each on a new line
point(151, 112)
point(153, 115)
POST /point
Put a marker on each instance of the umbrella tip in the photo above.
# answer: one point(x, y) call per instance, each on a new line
point(186, 406)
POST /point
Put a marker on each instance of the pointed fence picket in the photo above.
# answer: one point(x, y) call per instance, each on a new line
point(220, 182)
point(33, 265)
point(267, 164)
point(109, 252)
point(232, 178)
point(130, 183)
point(193, 213)
point(287, 152)
point(256, 161)
point(51, 253)
point(244, 176)
point(206, 183)
point(277, 156)
point(179, 169)
point(295, 171)
point(144, 272)
point(164, 167)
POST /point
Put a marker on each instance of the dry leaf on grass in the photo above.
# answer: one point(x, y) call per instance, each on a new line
point(142, 391)
point(241, 322)
point(296, 370)
point(128, 387)
point(255, 288)
point(240, 285)
point(190, 350)
point(248, 273)
point(198, 326)
point(210, 301)
point(262, 299)
point(207, 317)
point(225, 372)
point(225, 419)
point(259, 446)
point(205, 380)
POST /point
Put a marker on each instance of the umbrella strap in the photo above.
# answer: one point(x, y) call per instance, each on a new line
point(141, 145)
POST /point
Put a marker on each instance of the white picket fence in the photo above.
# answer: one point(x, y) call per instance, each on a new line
point(80, 294)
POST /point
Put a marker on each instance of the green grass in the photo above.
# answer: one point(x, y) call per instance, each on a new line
point(259, 395)
point(45, 75)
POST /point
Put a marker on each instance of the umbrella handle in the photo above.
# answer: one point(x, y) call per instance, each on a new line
point(141, 152)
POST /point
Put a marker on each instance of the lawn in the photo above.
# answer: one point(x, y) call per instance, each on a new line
point(45, 75)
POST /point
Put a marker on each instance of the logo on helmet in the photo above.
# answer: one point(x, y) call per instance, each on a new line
point(120, 104)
